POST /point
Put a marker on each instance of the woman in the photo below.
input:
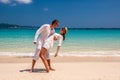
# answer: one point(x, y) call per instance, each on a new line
point(49, 44)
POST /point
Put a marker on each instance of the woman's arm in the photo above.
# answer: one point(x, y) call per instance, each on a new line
point(60, 39)
point(56, 54)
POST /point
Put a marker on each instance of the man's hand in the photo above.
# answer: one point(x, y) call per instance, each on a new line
point(35, 43)
point(55, 38)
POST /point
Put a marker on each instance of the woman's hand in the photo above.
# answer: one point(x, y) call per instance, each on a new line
point(56, 55)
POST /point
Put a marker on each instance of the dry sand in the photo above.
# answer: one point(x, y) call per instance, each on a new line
point(67, 68)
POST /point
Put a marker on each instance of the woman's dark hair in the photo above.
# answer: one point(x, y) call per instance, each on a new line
point(63, 37)
point(64, 33)
point(55, 21)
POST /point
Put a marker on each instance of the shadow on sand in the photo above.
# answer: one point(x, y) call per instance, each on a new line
point(34, 71)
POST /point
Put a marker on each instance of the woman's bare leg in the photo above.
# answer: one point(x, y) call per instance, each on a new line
point(49, 64)
point(42, 53)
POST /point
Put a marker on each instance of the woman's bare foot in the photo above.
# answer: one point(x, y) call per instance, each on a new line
point(52, 69)
point(47, 70)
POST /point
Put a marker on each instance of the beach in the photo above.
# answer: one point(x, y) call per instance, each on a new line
point(67, 68)
point(84, 55)
point(83, 34)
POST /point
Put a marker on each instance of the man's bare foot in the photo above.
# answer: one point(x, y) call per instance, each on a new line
point(31, 70)
point(52, 69)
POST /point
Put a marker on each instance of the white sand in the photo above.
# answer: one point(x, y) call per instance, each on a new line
point(69, 69)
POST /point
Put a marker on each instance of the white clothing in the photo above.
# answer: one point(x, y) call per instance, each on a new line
point(49, 42)
point(44, 31)
point(36, 55)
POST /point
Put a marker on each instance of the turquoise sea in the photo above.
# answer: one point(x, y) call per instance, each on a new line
point(79, 42)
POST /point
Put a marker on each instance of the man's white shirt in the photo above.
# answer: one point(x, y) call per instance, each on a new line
point(44, 31)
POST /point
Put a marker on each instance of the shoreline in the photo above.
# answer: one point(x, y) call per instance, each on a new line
point(75, 54)
point(60, 59)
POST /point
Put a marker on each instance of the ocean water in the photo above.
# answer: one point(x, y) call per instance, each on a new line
point(93, 42)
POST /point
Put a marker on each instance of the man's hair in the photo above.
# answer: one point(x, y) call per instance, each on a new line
point(54, 21)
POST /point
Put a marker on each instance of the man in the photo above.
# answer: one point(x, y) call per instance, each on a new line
point(44, 31)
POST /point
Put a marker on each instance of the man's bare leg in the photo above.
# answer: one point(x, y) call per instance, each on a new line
point(33, 64)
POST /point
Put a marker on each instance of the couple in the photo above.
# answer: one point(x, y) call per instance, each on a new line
point(45, 42)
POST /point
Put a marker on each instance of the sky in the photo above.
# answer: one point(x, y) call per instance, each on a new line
point(70, 13)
